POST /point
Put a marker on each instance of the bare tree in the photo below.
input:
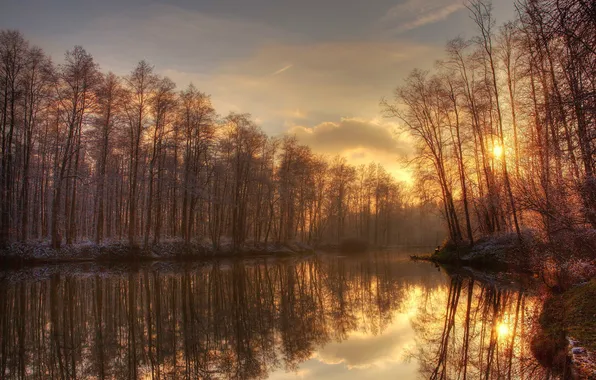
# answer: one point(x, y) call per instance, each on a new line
point(140, 83)
point(110, 97)
point(76, 79)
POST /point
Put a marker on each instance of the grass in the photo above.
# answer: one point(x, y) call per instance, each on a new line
point(572, 313)
point(580, 313)
point(568, 314)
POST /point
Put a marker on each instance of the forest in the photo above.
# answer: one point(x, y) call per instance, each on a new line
point(89, 156)
point(505, 125)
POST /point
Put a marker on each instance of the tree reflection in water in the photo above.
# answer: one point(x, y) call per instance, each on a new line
point(475, 330)
point(245, 319)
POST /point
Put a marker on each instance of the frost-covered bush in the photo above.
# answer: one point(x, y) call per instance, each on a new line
point(577, 270)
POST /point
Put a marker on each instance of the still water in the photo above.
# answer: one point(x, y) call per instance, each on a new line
point(377, 316)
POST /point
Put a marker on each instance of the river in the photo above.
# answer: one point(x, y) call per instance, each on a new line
point(377, 315)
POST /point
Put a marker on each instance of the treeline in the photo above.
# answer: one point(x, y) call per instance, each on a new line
point(89, 156)
point(505, 126)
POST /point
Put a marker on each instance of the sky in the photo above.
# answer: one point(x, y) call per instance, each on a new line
point(317, 69)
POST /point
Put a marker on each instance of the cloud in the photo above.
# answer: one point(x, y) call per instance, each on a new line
point(165, 34)
point(282, 69)
point(365, 351)
point(349, 133)
point(361, 141)
point(326, 80)
point(413, 14)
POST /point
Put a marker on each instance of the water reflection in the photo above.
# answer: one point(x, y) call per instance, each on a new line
point(482, 331)
point(326, 316)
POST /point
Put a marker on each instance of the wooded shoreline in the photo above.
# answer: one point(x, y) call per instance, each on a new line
point(22, 255)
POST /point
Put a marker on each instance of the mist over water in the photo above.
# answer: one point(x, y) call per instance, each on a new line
point(377, 315)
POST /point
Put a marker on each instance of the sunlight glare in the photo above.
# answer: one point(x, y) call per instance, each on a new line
point(498, 151)
point(503, 329)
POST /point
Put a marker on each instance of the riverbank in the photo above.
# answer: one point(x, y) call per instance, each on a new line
point(495, 253)
point(41, 253)
point(568, 322)
point(556, 260)
point(31, 254)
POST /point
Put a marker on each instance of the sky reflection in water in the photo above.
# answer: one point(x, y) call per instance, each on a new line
point(374, 316)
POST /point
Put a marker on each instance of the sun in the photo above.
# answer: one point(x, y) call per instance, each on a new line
point(498, 150)
point(502, 329)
